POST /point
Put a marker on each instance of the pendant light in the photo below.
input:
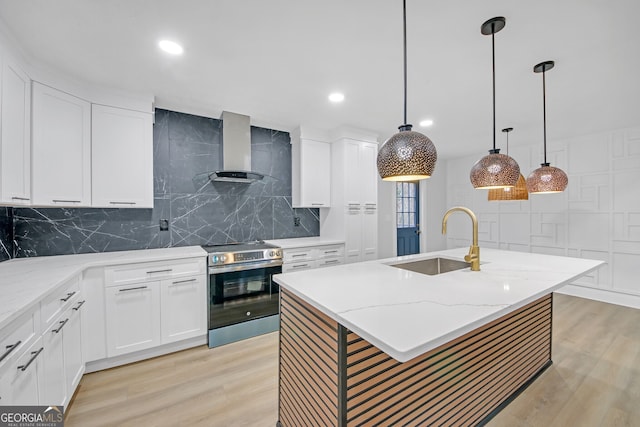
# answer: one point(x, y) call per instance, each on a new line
point(546, 179)
point(519, 192)
point(407, 155)
point(494, 170)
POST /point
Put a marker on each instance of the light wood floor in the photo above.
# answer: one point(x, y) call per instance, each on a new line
point(594, 381)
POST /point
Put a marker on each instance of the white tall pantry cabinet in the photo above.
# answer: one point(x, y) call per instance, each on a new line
point(354, 196)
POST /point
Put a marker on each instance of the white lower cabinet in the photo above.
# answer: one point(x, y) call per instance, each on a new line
point(19, 376)
point(183, 308)
point(52, 379)
point(297, 259)
point(72, 345)
point(133, 317)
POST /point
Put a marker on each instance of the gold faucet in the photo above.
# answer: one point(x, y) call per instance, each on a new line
point(474, 251)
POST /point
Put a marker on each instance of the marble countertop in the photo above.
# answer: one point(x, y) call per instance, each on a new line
point(25, 281)
point(304, 242)
point(406, 314)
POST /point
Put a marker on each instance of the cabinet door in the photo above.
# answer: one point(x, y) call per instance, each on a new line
point(133, 317)
point(370, 238)
point(61, 149)
point(368, 171)
point(15, 148)
point(121, 158)
point(52, 382)
point(19, 381)
point(184, 308)
point(72, 343)
point(352, 178)
point(315, 178)
point(353, 237)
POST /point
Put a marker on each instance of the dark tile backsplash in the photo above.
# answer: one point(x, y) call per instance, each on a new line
point(186, 148)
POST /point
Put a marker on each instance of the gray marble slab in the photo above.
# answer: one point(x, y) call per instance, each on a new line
point(6, 228)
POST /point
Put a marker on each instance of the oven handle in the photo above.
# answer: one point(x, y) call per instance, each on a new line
point(245, 267)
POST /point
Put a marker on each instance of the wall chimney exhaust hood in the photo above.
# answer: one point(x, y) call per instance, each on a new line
point(236, 151)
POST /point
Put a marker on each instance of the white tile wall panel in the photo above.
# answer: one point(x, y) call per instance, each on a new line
point(597, 217)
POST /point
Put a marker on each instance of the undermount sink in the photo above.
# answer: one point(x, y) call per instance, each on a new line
point(433, 266)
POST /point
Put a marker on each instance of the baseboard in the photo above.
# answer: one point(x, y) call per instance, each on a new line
point(611, 297)
point(112, 362)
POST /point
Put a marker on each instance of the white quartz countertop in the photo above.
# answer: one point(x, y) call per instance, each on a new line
point(304, 242)
point(406, 314)
point(25, 281)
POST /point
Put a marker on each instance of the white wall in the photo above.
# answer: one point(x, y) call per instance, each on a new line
point(597, 217)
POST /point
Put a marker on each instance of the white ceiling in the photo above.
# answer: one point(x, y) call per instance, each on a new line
point(278, 60)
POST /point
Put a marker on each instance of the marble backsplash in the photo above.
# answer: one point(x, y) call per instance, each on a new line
point(186, 148)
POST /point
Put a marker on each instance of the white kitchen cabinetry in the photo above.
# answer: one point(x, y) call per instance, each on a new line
point(305, 258)
point(61, 148)
point(15, 139)
point(121, 158)
point(183, 308)
point(53, 388)
point(353, 216)
point(154, 303)
point(19, 376)
point(72, 345)
point(310, 166)
point(133, 317)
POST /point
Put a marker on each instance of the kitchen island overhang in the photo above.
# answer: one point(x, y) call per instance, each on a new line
point(387, 345)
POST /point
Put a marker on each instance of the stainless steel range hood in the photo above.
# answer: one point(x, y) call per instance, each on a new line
point(236, 151)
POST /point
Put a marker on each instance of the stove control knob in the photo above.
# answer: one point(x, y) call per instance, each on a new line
point(223, 258)
point(272, 253)
point(278, 253)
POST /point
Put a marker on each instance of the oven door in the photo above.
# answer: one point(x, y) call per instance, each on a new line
point(241, 293)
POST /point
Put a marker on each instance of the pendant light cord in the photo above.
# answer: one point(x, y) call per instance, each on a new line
point(544, 113)
point(404, 24)
point(493, 62)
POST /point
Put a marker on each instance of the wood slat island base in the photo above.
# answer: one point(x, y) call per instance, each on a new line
point(329, 376)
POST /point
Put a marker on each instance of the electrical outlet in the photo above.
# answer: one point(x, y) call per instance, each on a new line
point(296, 221)
point(164, 224)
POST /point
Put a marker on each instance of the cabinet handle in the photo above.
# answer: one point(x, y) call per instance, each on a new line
point(35, 354)
point(298, 255)
point(10, 348)
point(122, 203)
point(184, 281)
point(79, 305)
point(132, 289)
point(300, 266)
point(331, 252)
point(69, 295)
point(168, 270)
point(317, 204)
point(371, 204)
point(333, 261)
point(64, 322)
point(65, 201)
point(20, 198)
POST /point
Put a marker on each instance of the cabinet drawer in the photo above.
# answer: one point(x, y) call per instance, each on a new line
point(15, 337)
point(53, 305)
point(133, 273)
point(297, 255)
point(333, 251)
point(298, 266)
point(328, 262)
point(19, 377)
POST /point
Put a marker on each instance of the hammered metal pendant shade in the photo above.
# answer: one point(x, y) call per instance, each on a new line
point(547, 179)
point(407, 156)
point(519, 192)
point(494, 170)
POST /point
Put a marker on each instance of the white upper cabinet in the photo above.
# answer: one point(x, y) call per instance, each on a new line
point(310, 170)
point(61, 149)
point(15, 140)
point(121, 158)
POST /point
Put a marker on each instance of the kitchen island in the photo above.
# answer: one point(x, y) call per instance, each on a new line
point(373, 344)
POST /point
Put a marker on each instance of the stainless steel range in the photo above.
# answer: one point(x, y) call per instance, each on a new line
point(243, 300)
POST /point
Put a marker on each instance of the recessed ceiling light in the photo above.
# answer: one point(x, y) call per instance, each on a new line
point(426, 123)
point(336, 97)
point(170, 47)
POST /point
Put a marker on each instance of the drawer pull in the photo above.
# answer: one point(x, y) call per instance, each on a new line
point(57, 331)
point(168, 270)
point(132, 289)
point(35, 354)
point(298, 255)
point(300, 266)
point(317, 204)
point(65, 201)
point(122, 203)
point(20, 198)
point(10, 348)
point(331, 252)
point(79, 305)
point(184, 281)
point(333, 261)
point(69, 295)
